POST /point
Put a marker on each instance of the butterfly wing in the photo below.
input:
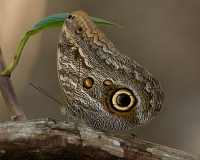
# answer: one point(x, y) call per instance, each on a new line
point(111, 90)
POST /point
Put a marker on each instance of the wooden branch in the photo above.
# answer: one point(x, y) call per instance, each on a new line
point(9, 95)
point(50, 139)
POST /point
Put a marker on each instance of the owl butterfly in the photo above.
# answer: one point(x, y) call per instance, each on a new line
point(101, 86)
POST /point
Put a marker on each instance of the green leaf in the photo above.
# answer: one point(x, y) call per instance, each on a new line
point(52, 21)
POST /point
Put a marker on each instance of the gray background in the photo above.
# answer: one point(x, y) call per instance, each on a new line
point(163, 36)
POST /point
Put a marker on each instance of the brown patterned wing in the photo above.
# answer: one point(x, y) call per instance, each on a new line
point(100, 85)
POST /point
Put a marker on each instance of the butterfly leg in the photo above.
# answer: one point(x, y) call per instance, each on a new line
point(75, 113)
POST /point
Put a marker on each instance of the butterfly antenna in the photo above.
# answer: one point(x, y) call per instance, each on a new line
point(45, 93)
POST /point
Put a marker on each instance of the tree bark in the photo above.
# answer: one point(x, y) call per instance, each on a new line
point(50, 139)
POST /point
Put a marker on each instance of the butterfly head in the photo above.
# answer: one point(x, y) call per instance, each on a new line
point(77, 23)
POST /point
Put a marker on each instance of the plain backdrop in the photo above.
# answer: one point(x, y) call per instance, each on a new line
point(163, 36)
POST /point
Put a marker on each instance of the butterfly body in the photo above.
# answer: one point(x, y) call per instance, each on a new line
point(103, 87)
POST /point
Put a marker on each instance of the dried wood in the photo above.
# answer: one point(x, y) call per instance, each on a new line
point(50, 139)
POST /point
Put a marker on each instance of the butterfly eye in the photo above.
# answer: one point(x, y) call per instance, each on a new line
point(123, 100)
point(107, 82)
point(69, 17)
point(79, 30)
point(88, 82)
